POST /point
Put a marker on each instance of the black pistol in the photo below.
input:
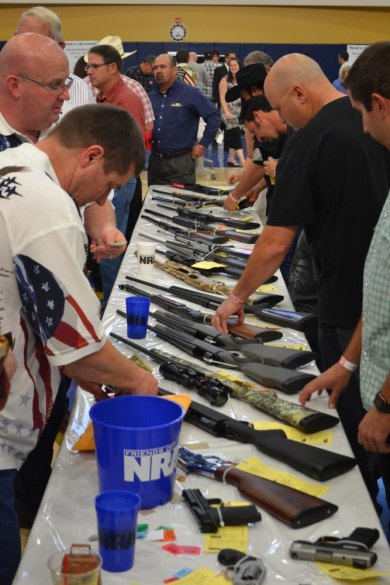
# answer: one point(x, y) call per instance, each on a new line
point(211, 518)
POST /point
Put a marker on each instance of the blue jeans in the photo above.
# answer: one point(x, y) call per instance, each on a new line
point(109, 268)
point(9, 528)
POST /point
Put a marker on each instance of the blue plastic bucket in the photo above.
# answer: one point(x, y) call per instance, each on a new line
point(137, 441)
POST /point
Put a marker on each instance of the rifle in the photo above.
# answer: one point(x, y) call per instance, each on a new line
point(212, 300)
point(207, 253)
point(193, 277)
point(196, 226)
point(224, 268)
point(292, 507)
point(288, 381)
point(212, 390)
point(205, 248)
point(252, 349)
point(208, 218)
point(315, 462)
point(181, 201)
point(203, 237)
point(303, 418)
point(261, 307)
point(224, 254)
point(203, 189)
point(210, 518)
point(244, 330)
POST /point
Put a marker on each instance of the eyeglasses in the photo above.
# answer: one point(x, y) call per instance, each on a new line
point(95, 66)
point(57, 87)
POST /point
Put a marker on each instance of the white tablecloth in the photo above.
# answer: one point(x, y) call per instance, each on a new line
point(67, 512)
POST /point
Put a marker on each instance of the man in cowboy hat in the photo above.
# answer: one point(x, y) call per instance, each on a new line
point(132, 84)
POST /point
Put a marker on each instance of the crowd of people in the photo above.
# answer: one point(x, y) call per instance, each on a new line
point(72, 182)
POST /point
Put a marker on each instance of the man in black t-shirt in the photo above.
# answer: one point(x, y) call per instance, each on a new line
point(332, 179)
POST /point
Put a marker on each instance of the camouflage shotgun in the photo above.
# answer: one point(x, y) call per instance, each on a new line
point(300, 417)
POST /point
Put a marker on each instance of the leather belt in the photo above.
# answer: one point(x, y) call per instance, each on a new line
point(171, 154)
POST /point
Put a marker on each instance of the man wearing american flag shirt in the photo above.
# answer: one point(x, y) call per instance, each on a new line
point(46, 303)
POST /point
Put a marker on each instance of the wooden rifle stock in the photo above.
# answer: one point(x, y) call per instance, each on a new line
point(290, 506)
point(251, 331)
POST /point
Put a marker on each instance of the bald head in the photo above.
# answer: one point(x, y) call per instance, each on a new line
point(164, 69)
point(33, 83)
point(30, 53)
point(297, 87)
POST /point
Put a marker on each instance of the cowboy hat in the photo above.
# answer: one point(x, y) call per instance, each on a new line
point(116, 42)
point(247, 77)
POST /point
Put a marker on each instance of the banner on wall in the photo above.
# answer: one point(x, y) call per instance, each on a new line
point(354, 52)
point(76, 49)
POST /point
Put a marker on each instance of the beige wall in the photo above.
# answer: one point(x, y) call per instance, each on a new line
point(238, 24)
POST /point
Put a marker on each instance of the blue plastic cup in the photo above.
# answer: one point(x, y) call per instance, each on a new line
point(137, 311)
point(137, 443)
point(117, 512)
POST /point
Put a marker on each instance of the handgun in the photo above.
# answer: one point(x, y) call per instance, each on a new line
point(211, 518)
point(353, 550)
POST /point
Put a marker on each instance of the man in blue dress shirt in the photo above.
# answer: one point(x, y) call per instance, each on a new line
point(178, 108)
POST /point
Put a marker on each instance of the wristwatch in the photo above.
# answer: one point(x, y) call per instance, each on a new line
point(381, 403)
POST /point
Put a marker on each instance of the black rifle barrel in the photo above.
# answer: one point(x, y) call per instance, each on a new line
point(315, 462)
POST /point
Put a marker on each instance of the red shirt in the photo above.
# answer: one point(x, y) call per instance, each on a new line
point(123, 97)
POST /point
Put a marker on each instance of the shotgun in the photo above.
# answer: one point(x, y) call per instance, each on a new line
point(253, 349)
point(211, 300)
point(288, 381)
point(211, 218)
point(214, 391)
point(244, 330)
point(203, 248)
point(202, 189)
point(194, 203)
point(196, 226)
point(203, 193)
point(224, 268)
point(320, 464)
point(261, 307)
point(202, 237)
point(302, 418)
point(193, 252)
point(292, 507)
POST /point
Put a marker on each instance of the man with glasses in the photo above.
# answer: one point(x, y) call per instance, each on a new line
point(34, 85)
point(332, 179)
point(43, 21)
point(104, 71)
